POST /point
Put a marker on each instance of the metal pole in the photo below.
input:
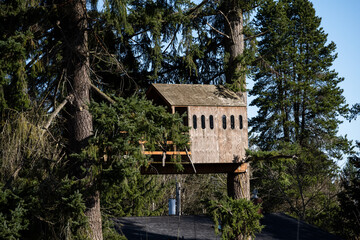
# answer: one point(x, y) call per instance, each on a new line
point(178, 198)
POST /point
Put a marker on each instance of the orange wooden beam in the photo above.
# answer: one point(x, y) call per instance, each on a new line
point(167, 153)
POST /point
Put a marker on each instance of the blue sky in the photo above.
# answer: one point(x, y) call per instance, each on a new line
point(341, 21)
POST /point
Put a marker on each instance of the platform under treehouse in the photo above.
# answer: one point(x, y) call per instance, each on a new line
point(217, 118)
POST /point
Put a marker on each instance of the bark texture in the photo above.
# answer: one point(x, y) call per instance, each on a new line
point(80, 125)
point(238, 185)
point(234, 46)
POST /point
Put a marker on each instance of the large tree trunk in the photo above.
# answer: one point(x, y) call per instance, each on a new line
point(80, 126)
point(238, 185)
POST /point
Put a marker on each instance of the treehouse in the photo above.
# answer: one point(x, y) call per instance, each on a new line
point(217, 118)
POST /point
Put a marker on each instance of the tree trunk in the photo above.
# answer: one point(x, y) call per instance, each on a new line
point(234, 46)
point(238, 185)
point(80, 126)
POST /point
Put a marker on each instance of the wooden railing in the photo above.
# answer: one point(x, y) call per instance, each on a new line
point(164, 153)
point(157, 152)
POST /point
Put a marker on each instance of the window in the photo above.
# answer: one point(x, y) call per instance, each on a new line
point(183, 112)
point(194, 122)
point(211, 121)
point(241, 122)
point(224, 121)
point(202, 121)
point(232, 121)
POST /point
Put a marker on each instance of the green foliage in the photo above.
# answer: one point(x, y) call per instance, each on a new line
point(197, 187)
point(296, 92)
point(12, 215)
point(354, 111)
point(35, 189)
point(117, 156)
point(15, 44)
point(297, 180)
point(109, 230)
point(349, 214)
point(235, 218)
point(299, 102)
point(55, 200)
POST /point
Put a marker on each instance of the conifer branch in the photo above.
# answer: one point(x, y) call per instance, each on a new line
point(102, 94)
point(269, 157)
point(268, 66)
point(257, 35)
point(57, 110)
point(221, 33)
point(227, 20)
point(192, 10)
point(172, 40)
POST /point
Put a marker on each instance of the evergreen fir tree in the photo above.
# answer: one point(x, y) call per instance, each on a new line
point(299, 103)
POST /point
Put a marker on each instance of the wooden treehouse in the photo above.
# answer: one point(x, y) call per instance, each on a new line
point(217, 118)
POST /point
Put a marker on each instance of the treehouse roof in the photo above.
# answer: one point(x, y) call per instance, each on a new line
point(196, 95)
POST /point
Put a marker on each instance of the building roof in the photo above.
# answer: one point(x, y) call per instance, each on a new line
point(197, 95)
point(277, 226)
point(167, 228)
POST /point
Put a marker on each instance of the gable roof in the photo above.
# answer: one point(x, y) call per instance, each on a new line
point(197, 95)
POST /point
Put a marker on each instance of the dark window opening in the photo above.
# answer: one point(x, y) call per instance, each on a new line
point(202, 121)
point(241, 121)
point(183, 113)
point(211, 121)
point(224, 121)
point(194, 122)
point(232, 121)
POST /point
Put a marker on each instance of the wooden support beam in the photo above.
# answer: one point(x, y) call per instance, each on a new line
point(167, 153)
point(167, 142)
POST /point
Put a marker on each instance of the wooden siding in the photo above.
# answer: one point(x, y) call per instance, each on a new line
point(218, 145)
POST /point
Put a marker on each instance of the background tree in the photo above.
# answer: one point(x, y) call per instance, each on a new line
point(349, 205)
point(299, 101)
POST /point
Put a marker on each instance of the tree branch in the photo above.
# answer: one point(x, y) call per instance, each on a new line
point(192, 10)
point(57, 110)
point(257, 35)
point(227, 20)
point(252, 158)
point(218, 31)
point(102, 94)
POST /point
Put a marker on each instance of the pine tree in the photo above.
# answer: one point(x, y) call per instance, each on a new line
point(299, 103)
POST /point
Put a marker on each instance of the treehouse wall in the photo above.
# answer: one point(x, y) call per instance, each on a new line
point(218, 134)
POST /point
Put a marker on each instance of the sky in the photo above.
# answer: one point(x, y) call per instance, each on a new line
point(341, 21)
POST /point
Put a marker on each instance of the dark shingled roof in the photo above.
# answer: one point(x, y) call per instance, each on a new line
point(277, 226)
point(167, 228)
point(197, 95)
point(280, 226)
